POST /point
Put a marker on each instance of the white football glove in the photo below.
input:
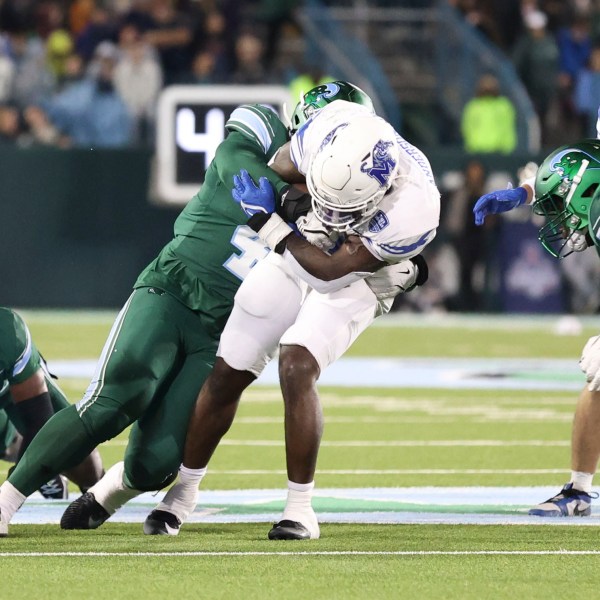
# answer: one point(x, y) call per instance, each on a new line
point(398, 278)
point(316, 233)
point(590, 363)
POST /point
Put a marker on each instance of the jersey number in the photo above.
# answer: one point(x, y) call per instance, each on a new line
point(252, 250)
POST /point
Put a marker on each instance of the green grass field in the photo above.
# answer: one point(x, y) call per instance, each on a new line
point(461, 437)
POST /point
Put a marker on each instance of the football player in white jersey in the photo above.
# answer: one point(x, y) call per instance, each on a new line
point(375, 207)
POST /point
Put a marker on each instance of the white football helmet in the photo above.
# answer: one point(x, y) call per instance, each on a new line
point(352, 170)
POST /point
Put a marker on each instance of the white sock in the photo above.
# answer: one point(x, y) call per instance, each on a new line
point(299, 499)
point(191, 477)
point(582, 481)
point(111, 492)
point(301, 487)
point(299, 507)
point(11, 500)
point(182, 498)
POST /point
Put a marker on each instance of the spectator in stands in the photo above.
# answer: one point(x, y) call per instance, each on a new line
point(7, 71)
point(575, 45)
point(212, 46)
point(249, 69)
point(40, 131)
point(468, 241)
point(90, 111)
point(73, 72)
point(80, 15)
point(480, 17)
point(204, 68)
point(138, 15)
point(33, 81)
point(275, 14)
point(100, 27)
point(138, 81)
point(59, 47)
point(48, 16)
point(171, 34)
point(536, 60)
point(9, 124)
point(488, 122)
point(587, 93)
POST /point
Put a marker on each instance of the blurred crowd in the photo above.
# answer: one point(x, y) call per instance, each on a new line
point(555, 48)
point(88, 72)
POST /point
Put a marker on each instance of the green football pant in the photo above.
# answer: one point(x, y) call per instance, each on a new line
point(152, 367)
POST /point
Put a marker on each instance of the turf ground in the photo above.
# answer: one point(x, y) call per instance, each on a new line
point(454, 439)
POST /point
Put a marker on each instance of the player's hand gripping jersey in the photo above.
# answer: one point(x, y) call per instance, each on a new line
point(407, 217)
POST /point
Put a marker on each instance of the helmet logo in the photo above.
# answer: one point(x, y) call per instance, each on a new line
point(564, 163)
point(331, 90)
point(316, 103)
point(383, 163)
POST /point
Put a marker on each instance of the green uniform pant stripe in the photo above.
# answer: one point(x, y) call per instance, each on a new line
point(98, 381)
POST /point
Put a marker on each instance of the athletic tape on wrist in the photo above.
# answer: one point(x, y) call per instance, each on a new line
point(272, 230)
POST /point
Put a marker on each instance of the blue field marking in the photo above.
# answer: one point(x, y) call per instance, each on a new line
point(442, 373)
point(427, 505)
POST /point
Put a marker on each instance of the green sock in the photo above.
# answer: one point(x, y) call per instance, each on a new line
point(60, 444)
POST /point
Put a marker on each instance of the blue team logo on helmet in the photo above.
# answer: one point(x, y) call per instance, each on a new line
point(331, 90)
point(383, 163)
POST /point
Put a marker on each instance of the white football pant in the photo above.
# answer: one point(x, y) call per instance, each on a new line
point(274, 306)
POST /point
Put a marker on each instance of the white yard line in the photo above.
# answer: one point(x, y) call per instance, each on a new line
point(314, 553)
point(393, 443)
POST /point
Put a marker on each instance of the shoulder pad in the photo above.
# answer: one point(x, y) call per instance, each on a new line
point(260, 123)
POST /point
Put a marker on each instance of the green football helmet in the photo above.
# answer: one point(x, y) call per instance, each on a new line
point(324, 94)
point(564, 187)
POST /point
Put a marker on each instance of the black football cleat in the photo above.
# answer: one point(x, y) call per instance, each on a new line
point(289, 530)
point(84, 513)
point(161, 522)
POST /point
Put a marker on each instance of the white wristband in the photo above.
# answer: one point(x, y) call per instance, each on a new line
point(274, 231)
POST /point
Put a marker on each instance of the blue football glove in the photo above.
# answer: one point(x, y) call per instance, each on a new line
point(498, 202)
point(252, 198)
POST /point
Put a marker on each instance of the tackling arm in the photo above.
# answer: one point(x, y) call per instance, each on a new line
point(352, 257)
point(236, 151)
point(282, 164)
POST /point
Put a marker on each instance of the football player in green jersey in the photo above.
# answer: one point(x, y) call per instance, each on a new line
point(163, 342)
point(162, 345)
point(28, 398)
point(566, 190)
